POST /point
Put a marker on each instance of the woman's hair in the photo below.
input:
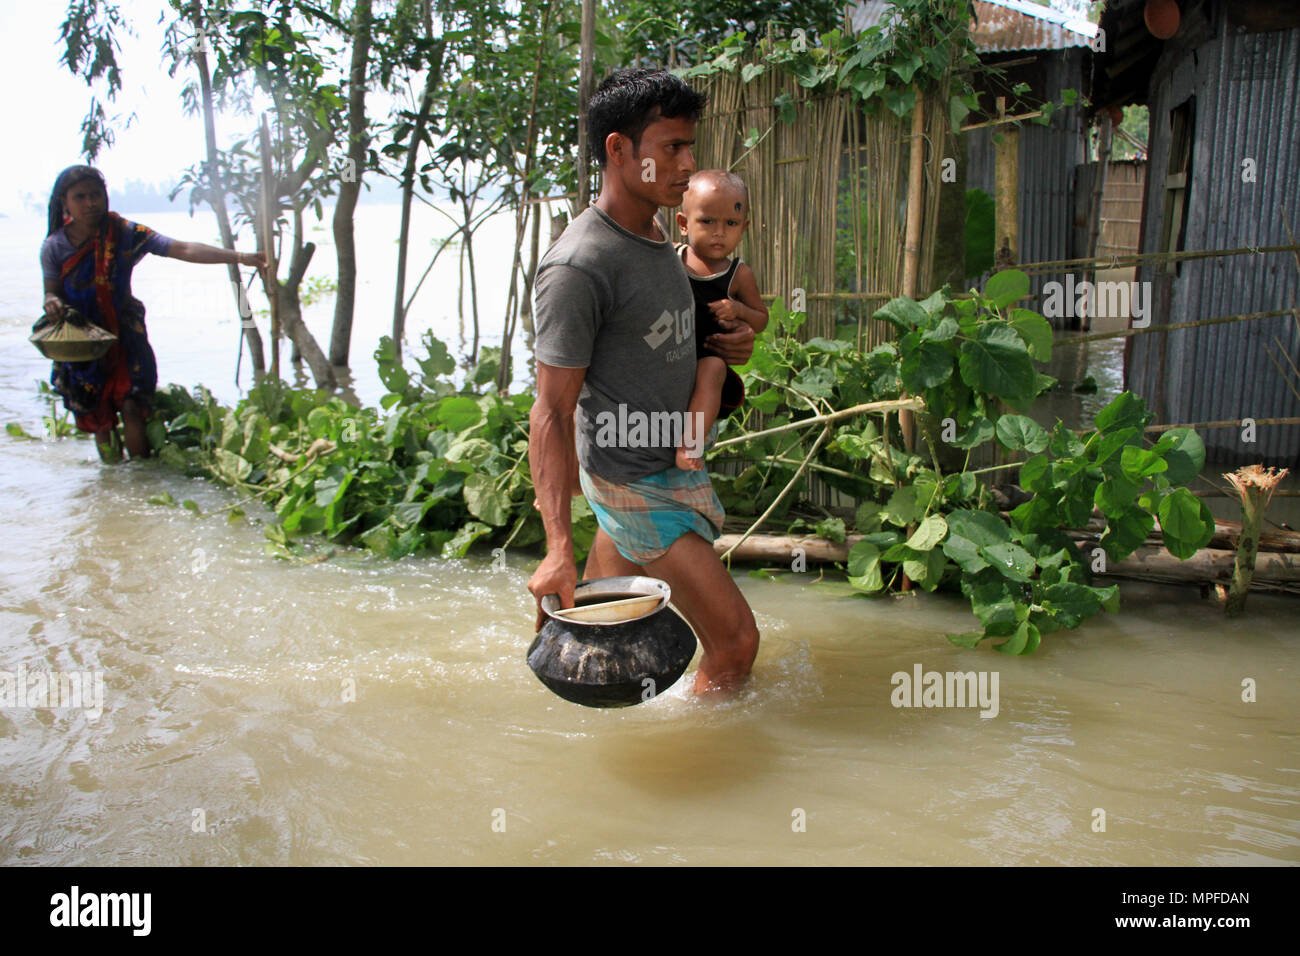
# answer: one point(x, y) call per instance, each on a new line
point(67, 179)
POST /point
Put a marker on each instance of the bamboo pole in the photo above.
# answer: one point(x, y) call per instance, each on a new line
point(1144, 258)
point(1230, 423)
point(912, 239)
point(1095, 201)
point(270, 277)
point(1150, 329)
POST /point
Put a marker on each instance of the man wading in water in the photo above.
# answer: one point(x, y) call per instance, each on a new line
point(615, 340)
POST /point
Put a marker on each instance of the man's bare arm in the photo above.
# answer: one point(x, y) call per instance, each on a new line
point(553, 461)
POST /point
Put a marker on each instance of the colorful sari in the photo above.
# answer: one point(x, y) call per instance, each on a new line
point(96, 281)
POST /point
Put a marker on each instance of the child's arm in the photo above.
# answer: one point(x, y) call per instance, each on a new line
point(747, 305)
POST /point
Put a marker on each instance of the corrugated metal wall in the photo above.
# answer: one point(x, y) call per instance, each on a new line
point(1247, 107)
point(1048, 155)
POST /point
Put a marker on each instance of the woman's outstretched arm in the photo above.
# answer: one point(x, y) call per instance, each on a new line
point(202, 253)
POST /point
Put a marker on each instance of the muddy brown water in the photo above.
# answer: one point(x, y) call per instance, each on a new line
point(360, 711)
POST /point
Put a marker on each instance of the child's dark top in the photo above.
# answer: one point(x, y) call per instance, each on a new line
point(708, 289)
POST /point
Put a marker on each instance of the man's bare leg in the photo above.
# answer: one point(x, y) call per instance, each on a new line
point(604, 561)
point(709, 599)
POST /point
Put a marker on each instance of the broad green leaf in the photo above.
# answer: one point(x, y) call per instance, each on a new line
point(997, 362)
point(1116, 495)
point(1017, 432)
point(929, 533)
point(485, 500)
point(1126, 532)
point(976, 433)
point(934, 303)
point(998, 618)
point(1006, 287)
point(1035, 330)
point(1071, 604)
point(1139, 464)
point(407, 514)
point(903, 508)
point(864, 567)
point(961, 486)
point(906, 314)
point(982, 528)
point(944, 331)
point(1103, 445)
point(458, 413)
point(832, 346)
point(867, 518)
point(469, 532)
point(1124, 410)
point(331, 485)
point(965, 639)
point(1011, 560)
point(965, 553)
point(926, 366)
point(1186, 523)
point(815, 380)
point(1184, 452)
point(766, 402)
point(1035, 474)
point(231, 466)
point(1025, 640)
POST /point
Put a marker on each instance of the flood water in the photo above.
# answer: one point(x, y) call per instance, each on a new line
point(351, 710)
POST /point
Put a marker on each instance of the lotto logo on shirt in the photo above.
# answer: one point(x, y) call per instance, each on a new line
point(679, 326)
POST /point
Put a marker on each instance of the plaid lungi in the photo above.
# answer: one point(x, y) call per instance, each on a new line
point(644, 517)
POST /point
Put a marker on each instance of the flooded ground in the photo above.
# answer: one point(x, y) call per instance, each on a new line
point(360, 711)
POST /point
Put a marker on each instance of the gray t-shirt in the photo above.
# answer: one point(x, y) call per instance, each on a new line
point(620, 306)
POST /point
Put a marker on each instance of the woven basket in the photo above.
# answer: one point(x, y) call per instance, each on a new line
point(70, 338)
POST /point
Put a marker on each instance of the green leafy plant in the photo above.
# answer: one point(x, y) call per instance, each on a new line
point(441, 468)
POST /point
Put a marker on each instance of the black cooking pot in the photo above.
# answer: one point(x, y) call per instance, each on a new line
point(620, 645)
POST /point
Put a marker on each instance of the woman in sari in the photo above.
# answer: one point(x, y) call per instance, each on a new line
point(86, 261)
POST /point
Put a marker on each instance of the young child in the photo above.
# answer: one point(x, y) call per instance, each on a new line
point(714, 216)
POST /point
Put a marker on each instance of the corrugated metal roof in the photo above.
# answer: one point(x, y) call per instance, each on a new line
point(1003, 25)
point(1000, 25)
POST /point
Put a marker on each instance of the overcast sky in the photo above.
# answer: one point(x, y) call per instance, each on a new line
point(44, 104)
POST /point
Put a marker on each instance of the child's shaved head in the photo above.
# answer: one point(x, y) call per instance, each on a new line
point(721, 181)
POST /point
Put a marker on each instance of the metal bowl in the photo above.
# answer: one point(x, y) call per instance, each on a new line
point(626, 660)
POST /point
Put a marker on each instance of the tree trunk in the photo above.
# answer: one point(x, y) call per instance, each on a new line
point(217, 197)
point(473, 279)
point(521, 214)
point(527, 306)
point(586, 85)
point(408, 187)
point(350, 186)
point(304, 343)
